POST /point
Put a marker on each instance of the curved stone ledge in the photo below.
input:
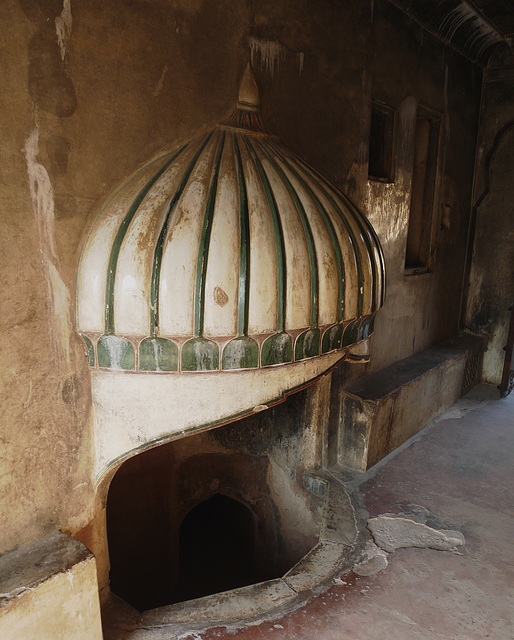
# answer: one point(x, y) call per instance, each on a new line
point(134, 411)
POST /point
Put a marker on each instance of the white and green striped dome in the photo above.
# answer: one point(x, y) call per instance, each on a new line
point(229, 253)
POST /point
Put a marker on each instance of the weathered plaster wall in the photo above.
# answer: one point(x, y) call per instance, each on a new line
point(407, 68)
point(92, 90)
point(44, 479)
point(491, 281)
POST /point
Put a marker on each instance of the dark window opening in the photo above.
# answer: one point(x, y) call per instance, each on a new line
point(419, 249)
point(381, 143)
point(217, 549)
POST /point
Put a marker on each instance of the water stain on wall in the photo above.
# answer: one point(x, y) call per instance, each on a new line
point(271, 53)
point(49, 86)
point(63, 26)
point(58, 150)
point(42, 196)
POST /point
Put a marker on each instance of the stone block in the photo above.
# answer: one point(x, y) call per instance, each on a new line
point(379, 412)
point(320, 564)
point(49, 591)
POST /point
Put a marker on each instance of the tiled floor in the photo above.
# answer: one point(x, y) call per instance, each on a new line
point(461, 469)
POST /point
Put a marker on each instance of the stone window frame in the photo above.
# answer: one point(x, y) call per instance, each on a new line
point(420, 241)
point(382, 143)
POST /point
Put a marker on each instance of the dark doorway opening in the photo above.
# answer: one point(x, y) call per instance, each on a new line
point(217, 548)
point(185, 520)
point(139, 531)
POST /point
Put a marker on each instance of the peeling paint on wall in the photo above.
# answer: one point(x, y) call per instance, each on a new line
point(160, 83)
point(388, 209)
point(300, 57)
point(63, 26)
point(42, 196)
point(270, 53)
point(482, 35)
point(388, 203)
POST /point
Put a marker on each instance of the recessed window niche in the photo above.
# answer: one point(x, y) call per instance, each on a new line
point(421, 231)
point(381, 161)
point(209, 513)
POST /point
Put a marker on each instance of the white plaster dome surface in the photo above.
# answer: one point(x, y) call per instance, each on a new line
point(228, 253)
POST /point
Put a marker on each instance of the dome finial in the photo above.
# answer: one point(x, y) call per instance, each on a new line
point(248, 91)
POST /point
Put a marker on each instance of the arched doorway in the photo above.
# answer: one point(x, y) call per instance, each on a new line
point(201, 515)
point(217, 548)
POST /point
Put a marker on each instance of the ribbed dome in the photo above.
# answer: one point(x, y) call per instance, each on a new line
point(229, 253)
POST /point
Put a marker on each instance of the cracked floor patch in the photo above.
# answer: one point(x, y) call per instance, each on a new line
point(394, 532)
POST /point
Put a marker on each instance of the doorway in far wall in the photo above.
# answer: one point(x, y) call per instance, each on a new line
point(216, 548)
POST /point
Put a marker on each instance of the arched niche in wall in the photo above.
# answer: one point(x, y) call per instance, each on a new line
point(217, 548)
point(179, 513)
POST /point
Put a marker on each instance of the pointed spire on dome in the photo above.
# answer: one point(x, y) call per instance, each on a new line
point(247, 115)
point(248, 91)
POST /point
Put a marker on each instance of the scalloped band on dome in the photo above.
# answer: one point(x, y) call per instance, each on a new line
point(163, 355)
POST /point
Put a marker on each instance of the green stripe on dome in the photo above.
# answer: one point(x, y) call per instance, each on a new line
point(330, 227)
point(279, 238)
point(205, 239)
point(90, 350)
point(159, 248)
point(358, 259)
point(378, 246)
point(118, 240)
point(364, 228)
point(244, 247)
point(308, 236)
point(382, 263)
point(369, 227)
point(357, 216)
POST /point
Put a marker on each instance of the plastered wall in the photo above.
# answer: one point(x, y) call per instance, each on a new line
point(491, 283)
point(91, 90)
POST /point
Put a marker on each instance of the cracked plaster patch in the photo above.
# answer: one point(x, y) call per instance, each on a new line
point(395, 532)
